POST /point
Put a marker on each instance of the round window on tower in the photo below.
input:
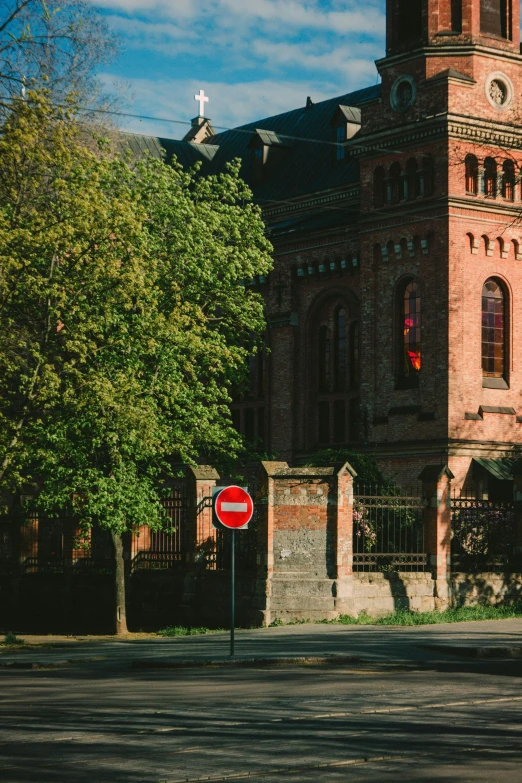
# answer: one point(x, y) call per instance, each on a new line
point(403, 93)
point(499, 90)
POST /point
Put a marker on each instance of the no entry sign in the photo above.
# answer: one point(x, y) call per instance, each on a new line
point(233, 507)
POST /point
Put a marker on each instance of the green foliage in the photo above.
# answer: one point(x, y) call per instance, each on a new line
point(124, 317)
point(181, 630)
point(364, 465)
point(12, 639)
point(456, 615)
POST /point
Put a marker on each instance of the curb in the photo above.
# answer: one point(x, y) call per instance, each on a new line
point(248, 662)
point(477, 652)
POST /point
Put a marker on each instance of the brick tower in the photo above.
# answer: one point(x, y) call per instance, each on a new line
point(440, 234)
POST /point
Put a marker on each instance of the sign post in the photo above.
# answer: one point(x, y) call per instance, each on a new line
point(232, 509)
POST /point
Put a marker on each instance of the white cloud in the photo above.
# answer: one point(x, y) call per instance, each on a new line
point(230, 104)
point(345, 18)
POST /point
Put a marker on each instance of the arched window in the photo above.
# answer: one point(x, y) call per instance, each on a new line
point(490, 178)
point(471, 175)
point(334, 369)
point(508, 180)
point(340, 349)
point(409, 19)
point(379, 191)
point(493, 330)
point(456, 16)
point(323, 411)
point(354, 355)
point(411, 331)
point(394, 184)
point(410, 181)
point(324, 358)
point(426, 177)
point(495, 17)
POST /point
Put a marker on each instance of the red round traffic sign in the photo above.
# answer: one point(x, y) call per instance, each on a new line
point(234, 507)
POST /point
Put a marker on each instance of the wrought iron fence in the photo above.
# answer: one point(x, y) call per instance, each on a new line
point(483, 534)
point(388, 532)
point(153, 550)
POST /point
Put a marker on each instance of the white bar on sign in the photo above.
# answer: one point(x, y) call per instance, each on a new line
point(234, 507)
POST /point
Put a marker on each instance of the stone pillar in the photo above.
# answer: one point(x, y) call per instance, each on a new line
point(344, 602)
point(517, 498)
point(436, 489)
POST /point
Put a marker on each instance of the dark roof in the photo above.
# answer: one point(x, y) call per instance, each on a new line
point(187, 153)
point(303, 136)
point(309, 165)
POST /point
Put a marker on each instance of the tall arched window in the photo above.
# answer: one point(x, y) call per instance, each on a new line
point(354, 355)
point(490, 178)
point(426, 177)
point(323, 356)
point(508, 180)
point(495, 17)
point(335, 371)
point(471, 175)
point(411, 331)
point(394, 184)
point(493, 330)
point(340, 349)
point(409, 20)
point(379, 191)
point(410, 181)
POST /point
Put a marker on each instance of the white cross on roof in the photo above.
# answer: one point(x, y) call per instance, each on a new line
point(202, 98)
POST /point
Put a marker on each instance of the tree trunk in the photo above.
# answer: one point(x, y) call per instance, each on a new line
point(120, 619)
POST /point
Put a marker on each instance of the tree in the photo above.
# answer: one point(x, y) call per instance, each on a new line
point(125, 316)
point(59, 42)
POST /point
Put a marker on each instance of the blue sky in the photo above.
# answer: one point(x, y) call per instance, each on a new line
point(253, 58)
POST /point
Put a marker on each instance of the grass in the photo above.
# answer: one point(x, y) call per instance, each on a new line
point(400, 617)
point(458, 615)
point(12, 640)
point(181, 630)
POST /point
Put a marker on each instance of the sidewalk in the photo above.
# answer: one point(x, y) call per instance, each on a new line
point(373, 644)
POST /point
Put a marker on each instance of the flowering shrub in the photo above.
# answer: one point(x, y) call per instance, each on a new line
point(482, 528)
point(364, 527)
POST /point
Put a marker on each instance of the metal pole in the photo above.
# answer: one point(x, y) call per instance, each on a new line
point(232, 591)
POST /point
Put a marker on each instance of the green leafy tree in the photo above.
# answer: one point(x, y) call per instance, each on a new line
point(125, 320)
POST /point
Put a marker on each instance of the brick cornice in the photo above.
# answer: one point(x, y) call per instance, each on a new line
point(308, 201)
point(449, 50)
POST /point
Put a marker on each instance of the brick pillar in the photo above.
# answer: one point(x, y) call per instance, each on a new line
point(344, 602)
point(200, 533)
point(517, 498)
point(265, 539)
point(436, 489)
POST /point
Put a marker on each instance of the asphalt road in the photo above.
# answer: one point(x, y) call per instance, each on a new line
point(415, 714)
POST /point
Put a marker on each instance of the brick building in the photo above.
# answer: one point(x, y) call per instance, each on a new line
point(394, 213)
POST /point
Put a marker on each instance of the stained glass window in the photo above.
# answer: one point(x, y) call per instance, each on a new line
point(324, 358)
point(471, 175)
point(339, 422)
point(354, 355)
point(324, 422)
point(493, 326)
point(508, 180)
point(411, 326)
point(340, 349)
point(490, 178)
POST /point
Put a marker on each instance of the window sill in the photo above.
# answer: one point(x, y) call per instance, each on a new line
point(494, 383)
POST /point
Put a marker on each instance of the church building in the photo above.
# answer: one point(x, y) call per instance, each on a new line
point(394, 324)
